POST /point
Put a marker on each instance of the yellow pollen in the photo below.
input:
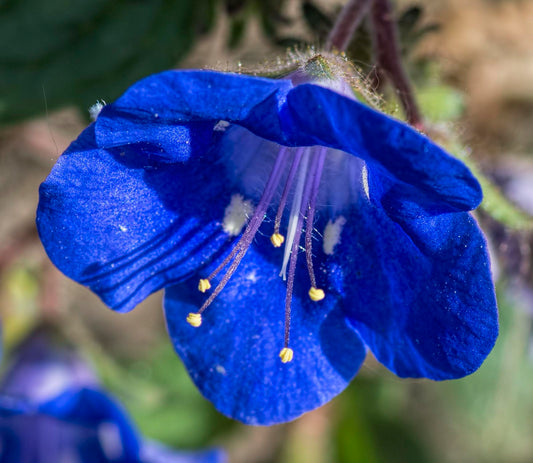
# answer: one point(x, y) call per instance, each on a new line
point(286, 355)
point(277, 240)
point(194, 319)
point(204, 285)
point(316, 294)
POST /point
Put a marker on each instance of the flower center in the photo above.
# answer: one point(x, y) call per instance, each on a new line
point(295, 178)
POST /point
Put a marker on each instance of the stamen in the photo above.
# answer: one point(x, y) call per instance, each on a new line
point(194, 319)
point(204, 285)
point(303, 201)
point(314, 293)
point(309, 166)
point(242, 246)
point(277, 240)
point(283, 200)
point(286, 355)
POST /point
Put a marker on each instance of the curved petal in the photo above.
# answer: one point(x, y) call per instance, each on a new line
point(389, 146)
point(233, 356)
point(42, 439)
point(93, 408)
point(126, 225)
point(175, 111)
point(420, 291)
point(83, 422)
point(42, 370)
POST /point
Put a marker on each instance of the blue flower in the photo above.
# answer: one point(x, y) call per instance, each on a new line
point(201, 183)
point(52, 410)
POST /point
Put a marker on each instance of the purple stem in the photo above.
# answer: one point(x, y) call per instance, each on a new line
point(347, 22)
point(387, 51)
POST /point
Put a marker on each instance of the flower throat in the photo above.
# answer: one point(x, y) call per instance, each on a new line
point(303, 178)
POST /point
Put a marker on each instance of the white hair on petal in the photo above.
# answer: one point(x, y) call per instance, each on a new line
point(95, 109)
point(221, 126)
point(332, 234)
point(364, 179)
point(237, 214)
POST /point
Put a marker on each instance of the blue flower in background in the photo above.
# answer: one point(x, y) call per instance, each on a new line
point(284, 221)
point(53, 411)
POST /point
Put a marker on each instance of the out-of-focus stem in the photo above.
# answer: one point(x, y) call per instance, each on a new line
point(349, 18)
point(387, 54)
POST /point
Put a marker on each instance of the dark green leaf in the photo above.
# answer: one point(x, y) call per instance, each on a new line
point(410, 17)
point(238, 26)
point(234, 6)
point(79, 51)
point(317, 21)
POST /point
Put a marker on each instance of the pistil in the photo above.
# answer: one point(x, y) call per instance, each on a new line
point(277, 238)
point(294, 215)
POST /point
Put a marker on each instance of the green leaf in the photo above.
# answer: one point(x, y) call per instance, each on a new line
point(76, 52)
point(440, 103)
point(316, 20)
point(237, 29)
point(500, 208)
point(494, 202)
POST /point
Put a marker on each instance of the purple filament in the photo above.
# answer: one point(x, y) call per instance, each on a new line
point(311, 215)
point(288, 185)
point(247, 237)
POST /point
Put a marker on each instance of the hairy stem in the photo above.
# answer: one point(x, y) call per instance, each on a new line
point(387, 54)
point(347, 22)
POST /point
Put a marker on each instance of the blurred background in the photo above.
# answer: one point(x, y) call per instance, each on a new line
point(472, 66)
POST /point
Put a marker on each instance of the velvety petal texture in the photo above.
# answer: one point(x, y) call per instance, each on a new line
point(140, 202)
point(233, 358)
point(429, 301)
point(124, 224)
point(177, 111)
point(389, 147)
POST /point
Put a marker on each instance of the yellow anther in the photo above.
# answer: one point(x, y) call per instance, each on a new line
point(277, 240)
point(286, 355)
point(194, 319)
point(204, 285)
point(316, 294)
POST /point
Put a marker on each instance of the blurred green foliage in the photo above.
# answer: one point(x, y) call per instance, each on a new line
point(160, 396)
point(60, 52)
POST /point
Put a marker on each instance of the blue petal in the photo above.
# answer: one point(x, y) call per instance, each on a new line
point(419, 290)
point(172, 114)
point(233, 356)
point(91, 407)
point(156, 453)
point(77, 424)
point(125, 224)
point(42, 370)
point(175, 111)
point(42, 439)
point(72, 422)
point(390, 147)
